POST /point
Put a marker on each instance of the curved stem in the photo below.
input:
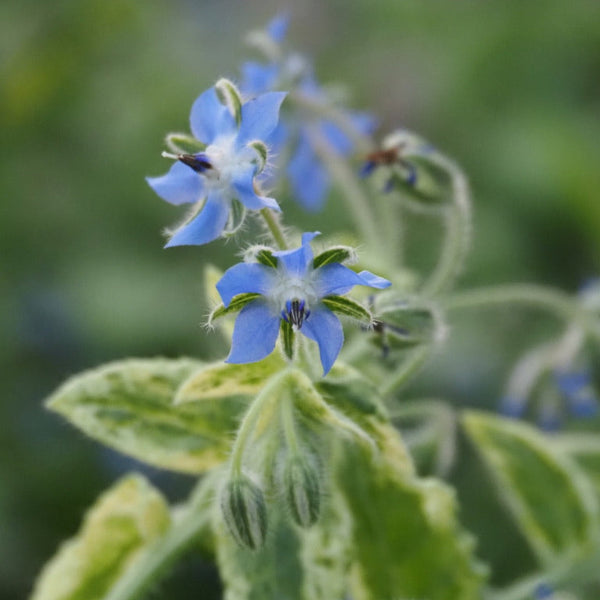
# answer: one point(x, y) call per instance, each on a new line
point(274, 227)
point(248, 422)
point(457, 239)
point(289, 429)
point(406, 370)
point(189, 524)
point(562, 305)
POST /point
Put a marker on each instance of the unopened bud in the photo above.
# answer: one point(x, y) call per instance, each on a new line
point(403, 325)
point(302, 490)
point(245, 512)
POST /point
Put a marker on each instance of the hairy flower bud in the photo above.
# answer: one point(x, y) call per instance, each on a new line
point(302, 491)
point(245, 512)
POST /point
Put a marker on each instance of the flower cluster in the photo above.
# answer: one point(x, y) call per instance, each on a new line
point(286, 290)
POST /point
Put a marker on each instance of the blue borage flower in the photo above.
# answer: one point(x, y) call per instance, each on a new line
point(234, 135)
point(293, 291)
point(308, 177)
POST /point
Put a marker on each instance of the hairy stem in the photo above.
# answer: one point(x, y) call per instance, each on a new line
point(457, 221)
point(560, 304)
point(274, 227)
point(407, 369)
point(249, 421)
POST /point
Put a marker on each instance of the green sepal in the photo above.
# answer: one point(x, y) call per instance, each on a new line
point(265, 257)
point(287, 338)
point(261, 152)
point(128, 406)
point(221, 380)
point(294, 563)
point(236, 304)
point(549, 497)
point(349, 308)
point(230, 96)
point(302, 489)
point(235, 220)
point(337, 254)
point(245, 512)
point(123, 522)
point(182, 143)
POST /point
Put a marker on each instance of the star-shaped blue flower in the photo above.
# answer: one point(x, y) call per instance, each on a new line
point(291, 290)
point(225, 170)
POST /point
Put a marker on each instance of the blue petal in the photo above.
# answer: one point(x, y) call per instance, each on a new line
point(324, 328)
point(254, 333)
point(205, 227)
point(513, 407)
point(308, 177)
point(258, 78)
point(209, 118)
point(297, 261)
point(337, 279)
point(278, 26)
point(180, 185)
point(364, 123)
point(243, 184)
point(374, 281)
point(259, 117)
point(337, 139)
point(245, 278)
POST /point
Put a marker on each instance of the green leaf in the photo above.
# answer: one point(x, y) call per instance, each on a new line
point(356, 397)
point(221, 380)
point(235, 305)
point(295, 563)
point(584, 448)
point(122, 522)
point(406, 540)
point(128, 406)
point(235, 219)
point(337, 254)
point(349, 308)
point(551, 500)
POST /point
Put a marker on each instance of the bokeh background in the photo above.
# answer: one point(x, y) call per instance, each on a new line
point(88, 89)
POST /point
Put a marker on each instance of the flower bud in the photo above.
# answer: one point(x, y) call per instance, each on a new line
point(245, 512)
point(302, 491)
point(404, 325)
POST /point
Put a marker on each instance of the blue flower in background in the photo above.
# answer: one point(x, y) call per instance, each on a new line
point(573, 386)
point(576, 386)
point(309, 179)
point(291, 291)
point(225, 170)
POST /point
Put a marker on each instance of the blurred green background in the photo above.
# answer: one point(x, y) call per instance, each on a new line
point(88, 89)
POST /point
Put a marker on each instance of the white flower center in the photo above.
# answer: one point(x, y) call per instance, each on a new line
point(227, 162)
